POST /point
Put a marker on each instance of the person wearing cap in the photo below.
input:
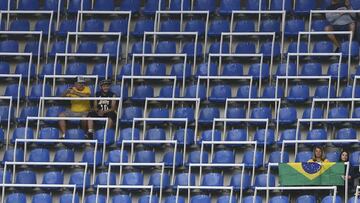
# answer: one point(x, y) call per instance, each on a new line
point(103, 107)
point(78, 108)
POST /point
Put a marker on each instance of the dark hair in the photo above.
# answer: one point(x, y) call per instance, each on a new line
point(347, 152)
point(322, 153)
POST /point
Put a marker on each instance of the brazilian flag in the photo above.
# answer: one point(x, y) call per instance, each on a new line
point(311, 173)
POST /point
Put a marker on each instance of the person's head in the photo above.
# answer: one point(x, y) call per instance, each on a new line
point(344, 156)
point(105, 85)
point(318, 153)
point(80, 83)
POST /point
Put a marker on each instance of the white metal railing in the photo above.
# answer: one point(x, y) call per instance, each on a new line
point(213, 188)
point(18, 92)
point(357, 194)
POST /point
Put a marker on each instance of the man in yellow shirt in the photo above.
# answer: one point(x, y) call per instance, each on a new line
point(79, 108)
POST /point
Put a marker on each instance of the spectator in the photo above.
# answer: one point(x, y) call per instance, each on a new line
point(79, 108)
point(104, 108)
point(353, 172)
point(340, 21)
point(318, 155)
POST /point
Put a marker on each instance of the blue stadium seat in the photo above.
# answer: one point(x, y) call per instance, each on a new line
point(235, 112)
point(142, 92)
point(158, 113)
point(76, 134)
point(245, 48)
point(254, 71)
point(170, 25)
point(270, 92)
point(87, 47)
point(9, 46)
point(4, 68)
point(112, 48)
point(23, 70)
point(217, 27)
point(270, 26)
point(166, 47)
point(59, 47)
point(236, 135)
point(128, 134)
point(67, 26)
point(178, 70)
point(275, 157)
point(268, 50)
point(261, 113)
point(279, 199)
point(76, 68)
point(144, 156)
point(194, 25)
point(155, 69)
point(279, 5)
point(182, 179)
point(38, 90)
point(205, 5)
point(151, 6)
point(319, 24)
point(130, 5)
point(323, 47)
point(100, 70)
point(255, 5)
point(354, 159)
point(238, 179)
point(126, 70)
point(262, 180)
point(306, 199)
point(288, 134)
point(294, 26)
point(93, 25)
point(9, 155)
point(20, 25)
point(250, 199)
point(343, 134)
point(104, 5)
point(316, 134)
point(19, 133)
point(4, 5)
point(116, 89)
point(75, 5)
point(148, 199)
point(316, 113)
point(311, 69)
point(42, 198)
point(100, 136)
point(16, 198)
point(6, 113)
point(248, 159)
point(2, 136)
point(220, 93)
point(53, 177)
point(215, 48)
point(54, 111)
point(208, 114)
point(77, 178)
point(354, 48)
point(121, 198)
point(133, 178)
point(137, 48)
point(169, 161)
point(39, 155)
point(324, 92)
point(260, 136)
point(189, 49)
point(119, 25)
point(7, 178)
point(115, 155)
point(204, 69)
point(227, 6)
point(90, 157)
point(155, 180)
point(169, 92)
point(194, 91)
point(245, 92)
point(213, 179)
point(174, 199)
point(93, 198)
point(155, 134)
point(179, 135)
point(207, 135)
point(142, 26)
point(245, 26)
point(333, 156)
point(224, 157)
point(353, 199)
point(293, 47)
point(25, 177)
point(105, 178)
point(180, 5)
point(194, 157)
point(52, 5)
point(200, 199)
point(303, 156)
point(329, 199)
point(298, 93)
point(69, 197)
point(287, 115)
point(29, 111)
point(232, 69)
point(304, 6)
point(334, 70)
point(338, 112)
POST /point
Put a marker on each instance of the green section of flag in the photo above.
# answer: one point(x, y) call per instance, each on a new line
point(292, 174)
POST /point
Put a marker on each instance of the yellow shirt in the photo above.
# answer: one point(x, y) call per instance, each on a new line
point(80, 105)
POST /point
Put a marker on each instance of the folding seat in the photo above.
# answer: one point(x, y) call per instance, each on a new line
point(128, 134)
point(128, 70)
point(100, 136)
point(90, 157)
point(23, 70)
point(343, 134)
point(6, 113)
point(353, 200)
point(248, 159)
point(9, 155)
point(324, 92)
point(155, 180)
point(238, 179)
point(304, 6)
point(354, 48)
point(7, 178)
point(20, 25)
point(4, 68)
point(255, 5)
point(155, 69)
point(118, 91)
point(306, 199)
point(75, 5)
point(155, 134)
point(169, 92)
point(303, 156)
point(355, 4)
point(298, 93)
point(93, 25)
point(169, 25)
point(53, 177)
point(111, 48)
point(271, 92)
point(316, 134)
point(137, 48)
point(142, 26)
point(311, 69)
point(194, 91)
point(19, 133)
point(268, 50)
point(194, 157)
point(121, 198)
point(245, 48)
point(4, 5)
point(99, 69)
point(208, 114)
point(260, 136)
point(119, 25)
point(335, 72)
point(144, 156)
point(333, 156)
point(178, 70)
point(148, 199)
point(75, 134)
point(130, 5)
point(224, 157)
point(279, 5)
point(133, 178)
point(166, 47)
point(215, 48)
point(16, 198)
point(67, 26)
point(354, 159)
point(293, 47)
point(117, 156)
point(180, 5)
point(184, 112)
point(142, 92)
point(194, 25)
point(59, 47)
point(255, 72)
point(261, 113)
point(275, 157)
point(76, 69)
point(220, 93)
point(246, 91)
point(42, 198)
point(93, 198)
point(77, 178)
point(60, 90)
point(209, 135)
point(204, 69)
point(52, 5)
point(339, 112)
point(28, 5)
point(104, 5)
point(288, 134)
point(38, 90)
point(200, 198)
point(9, 46)
point(323, 47)
point(25, 177)
point(217, 27)
point(227, 6)
point(129, 113)
point(263, 180)
point(182, 179)
point(287, 115)
point(245, 26)
point(189, 49)
point(151, 6)
point(329, 199)
point(87, 47)
point(169, 161)
point(104, 178)
point(232, 69)
point(250, 199)
point(174, 199)
point(316, 113)
point(212, 179)
point(39, 155)
point(294, 26)
point(279, 199)
point(319, 24)
point(270, 26)
point(180, 135)
point(27, 112)
point(205, 5)
point(236, 135)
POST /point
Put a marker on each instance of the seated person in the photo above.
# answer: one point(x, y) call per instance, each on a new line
point(318, 155)
point(79, 108)
point(340, 21)
point(104, 108)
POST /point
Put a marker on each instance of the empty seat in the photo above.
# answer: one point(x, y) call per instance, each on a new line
point(298, 93)
point(9, 46)
point(272, 92)
point(338, 112)
point(100, 70)
point(287, 115)
point(142, 92)
point(216, 48)
point(182, 179)
point(105, 178)
point(53, 177)
point(76, 69)
point(119, 25)
point(279, 5)
point(288, 134)
point(93, 25)
point(294, 26)
point(217, 27)
point(181, 134)
point(354, 49)
point(185, 112)
point(270, 26)
point(166, 47)
point(16, 198)
point(304, 6)
point(333, 156)
point(26, 70)
point(343, 134)
point(69, 197)
point(174, 199)
point(303, 156)
point(200, 198)
point(246, 91)
point(178, 70)
point(93, 198)
point(117, 156)
point(139, 48)
point(155, 180)
point(189, 49)
point(170, 25)
point(148, 199)
point(265, 180)
point(232, 69)
point(180, 5)
point(204, 69)
point(121, 198)
point(194, 91)
point(7, 178)
point(261, 113)
point(4, 68)
point(39, 90)
point(317, 134)
point(269, 49)
point(306, 199)
point(235, 112)
point(13, 155)
point(329, 199)
point(142, 26)
point(251, 199)
point(294, 47)
point(205, 5)
point(42, 198)
point(245, 26)
point(128, 134)
point(311, 69)
point(22, 133)
point(169, 160)
point(213, 179)
point(354, 159)
point(227, 6)
point(224, 157)
point(76, 134)
point(245, 48)
point(258, 71)
point(92, 158)
point(53, 5)
point(113, 48)
point(127, 69)
point(67, 26)
point(151, 6)
point(25, 177)
point(104, 5)
point(39, 155)
point(323, 47)
point(79, 179)
point(220, 93)
point(133, 178)
point(155, 134)
point(29, 111)
point(313, 113)
point(144, 156)
point(248, 159)
point(87, 48)
point(275, 157)
point(100, 136)
point(319, 24)
point(59, 47)
point(208, 114)
point(336, 71)
point(240, 181)
point(156, 69)
point(20, 25)
point(130, 5)
point(279, 199)
point(75, 5)
point(236, 135)
point(194, 25)
point(324, 92)
point(209, 135)
point(262, 134)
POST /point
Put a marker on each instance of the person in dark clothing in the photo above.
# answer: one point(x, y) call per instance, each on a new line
point(103, 107)
point(353, 172)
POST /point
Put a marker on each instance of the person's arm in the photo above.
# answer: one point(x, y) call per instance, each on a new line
point(67, 92)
